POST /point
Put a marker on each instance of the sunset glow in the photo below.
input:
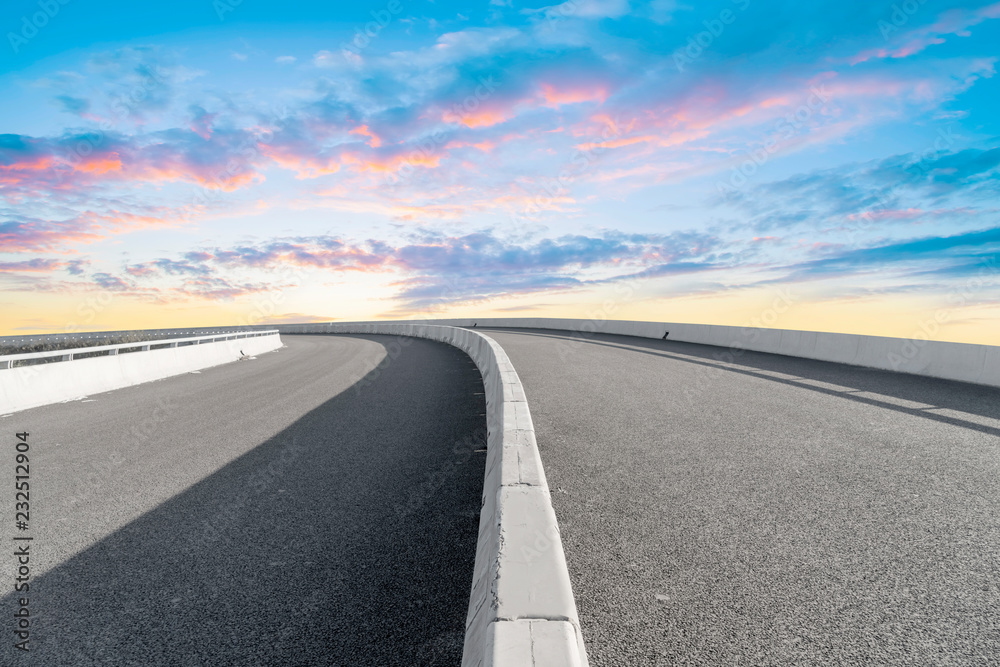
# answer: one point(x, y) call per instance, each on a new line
point(597, 158)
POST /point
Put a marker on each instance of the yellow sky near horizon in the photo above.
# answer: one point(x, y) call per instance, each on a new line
point(778, 308)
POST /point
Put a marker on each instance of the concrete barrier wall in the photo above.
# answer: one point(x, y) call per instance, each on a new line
point(521, 608)
point(26, 387)
point(978, 364)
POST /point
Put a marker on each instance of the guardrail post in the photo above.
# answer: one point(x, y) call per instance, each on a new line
point(6, 363)
point(113, 351)
point(173, 344)
point(144, 348)
point(66, 357)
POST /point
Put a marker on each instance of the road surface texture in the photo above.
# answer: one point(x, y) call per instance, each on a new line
point(267, 512)
point(767, 510)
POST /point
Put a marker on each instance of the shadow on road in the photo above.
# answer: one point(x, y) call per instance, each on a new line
point(346, 539)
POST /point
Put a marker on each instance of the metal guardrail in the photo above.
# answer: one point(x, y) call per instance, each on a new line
point(90, 337)
point(10, 360)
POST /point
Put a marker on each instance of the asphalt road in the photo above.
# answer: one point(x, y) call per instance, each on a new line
point(266, 512)
point(767, 510)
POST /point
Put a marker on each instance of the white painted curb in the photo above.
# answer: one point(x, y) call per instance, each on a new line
point(521, 609)
point(24, 387)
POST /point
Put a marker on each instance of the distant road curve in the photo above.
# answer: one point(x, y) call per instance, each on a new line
point(265, 512)
point(769, 511)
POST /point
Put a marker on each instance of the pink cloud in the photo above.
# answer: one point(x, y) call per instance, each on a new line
point(37, 164)
point(373, 139)
point(485, 146)
point(43, 236)
point(391, 163)
point(952, 22)
point(478, 118)
point(304, 166)
point(201, 124)
point(555, 97)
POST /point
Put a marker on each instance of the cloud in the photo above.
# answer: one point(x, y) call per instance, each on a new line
point(19, 234)
point(397, 103)
point(136, 83)
point(373, 139)
point(323, 252)
point(45, 265)
point(111, 283)
point(228, 161)
point(433, 269)
point(950, 22)
point(73, 105)
point(891, 189)
point(960, 255)
point(24, 234)
point(201, 121)
point(216, 289)
point(37, 265)
point(555, 96)
point(588, 9)
point(165, 266)
point(431, 131)
point(325, 58)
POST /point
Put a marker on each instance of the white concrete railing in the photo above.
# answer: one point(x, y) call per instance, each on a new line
point(78, 372)
point(8, 361)
point(964, 362)
point(521, 608)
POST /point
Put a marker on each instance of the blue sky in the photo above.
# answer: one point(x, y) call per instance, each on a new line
point(202, 163)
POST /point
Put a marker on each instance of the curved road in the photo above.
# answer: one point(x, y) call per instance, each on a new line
point(766, 510)
point(272, 511)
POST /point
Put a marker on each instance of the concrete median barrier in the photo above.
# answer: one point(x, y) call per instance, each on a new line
point(521, 608)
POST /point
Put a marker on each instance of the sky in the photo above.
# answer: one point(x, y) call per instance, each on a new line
point(825, 166)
